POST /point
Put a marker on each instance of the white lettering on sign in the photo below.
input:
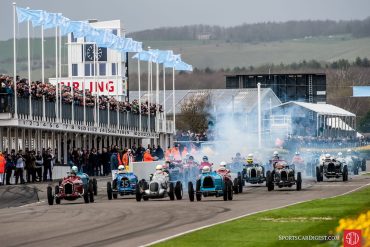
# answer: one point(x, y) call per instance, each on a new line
point(110, 86)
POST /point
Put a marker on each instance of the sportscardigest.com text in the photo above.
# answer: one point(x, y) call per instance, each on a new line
point(308, 237)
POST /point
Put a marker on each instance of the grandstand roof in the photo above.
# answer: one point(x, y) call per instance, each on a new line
point(322, 109)
point(245, 100)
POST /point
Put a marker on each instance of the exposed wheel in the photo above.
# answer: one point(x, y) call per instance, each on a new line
point(138, 194)
point(171, 193)
point(299, 181)
point(198, 194)
point(86, 193)
point(270, 182)
point(229, 190)
point(267, 176)
point(95, 184)
point(191, 191)
point(236, 186)
point(57, 199)
point(91, 191)
point(345, 173)
point(363, 165)
point(50, 195)
point(178, 190)
point(109, 190)
point(241, 183)
point(224, 191)
point(318, 174)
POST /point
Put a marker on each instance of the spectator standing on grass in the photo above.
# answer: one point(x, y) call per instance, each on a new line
point(19, 168)
point(39, 162)
point(2, 168)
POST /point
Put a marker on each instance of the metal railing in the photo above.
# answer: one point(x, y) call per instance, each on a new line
point(122, 120)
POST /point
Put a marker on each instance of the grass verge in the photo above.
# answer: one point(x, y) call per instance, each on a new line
point(318, 217)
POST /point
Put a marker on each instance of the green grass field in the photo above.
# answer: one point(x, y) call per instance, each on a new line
point(317, 217)
point(216, 54)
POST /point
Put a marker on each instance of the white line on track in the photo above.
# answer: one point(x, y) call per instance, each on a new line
point(242, 216)
point(29, 204)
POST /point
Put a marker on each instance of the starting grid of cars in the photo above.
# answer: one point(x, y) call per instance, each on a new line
point(201, 180)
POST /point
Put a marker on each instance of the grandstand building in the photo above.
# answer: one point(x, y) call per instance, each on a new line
point(305, 87)
point(40, 123)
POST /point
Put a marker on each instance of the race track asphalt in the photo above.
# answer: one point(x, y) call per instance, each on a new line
point(125, 222)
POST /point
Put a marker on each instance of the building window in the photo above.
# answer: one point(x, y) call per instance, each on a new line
point(74, 70)
point(73, 39)
point(114, 69)
point(89, 69)
point(102, 68)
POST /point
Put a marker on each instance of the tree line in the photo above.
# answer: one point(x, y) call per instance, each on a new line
point(259, 32)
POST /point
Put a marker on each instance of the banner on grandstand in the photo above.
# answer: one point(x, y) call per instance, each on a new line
point(361, 91)
point(107, 86)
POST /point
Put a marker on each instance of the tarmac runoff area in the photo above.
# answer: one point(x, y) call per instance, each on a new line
point(25, 221)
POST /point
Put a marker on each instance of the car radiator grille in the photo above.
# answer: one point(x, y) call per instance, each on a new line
point(68, 188)
point(284, 175)
point(253, 173)
point(208, 182)
point(154, 187)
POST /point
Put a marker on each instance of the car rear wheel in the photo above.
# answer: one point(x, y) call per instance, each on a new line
point(57, 199)
point(191, 191)
point(318, 174)
point(109, 190)
point(171, 194)
point(229, 190)
point(241, 183)
point(86, 194)
point(178, 190)
point(345, 174)
point(91, 191)
point(138, 194)
point(299, 181)
point(50, 195)
point(225, 191)
point(236, 186)
point(270, 182)
point(267, 176)
point(198, 194)
point(95, 184)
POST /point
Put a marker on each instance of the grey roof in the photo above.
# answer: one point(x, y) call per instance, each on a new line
point(245, 100)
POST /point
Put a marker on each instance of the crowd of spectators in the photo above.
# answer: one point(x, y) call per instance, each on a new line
point(292, 142)
point(185, 136)
point(29, 166)
point(39, 89)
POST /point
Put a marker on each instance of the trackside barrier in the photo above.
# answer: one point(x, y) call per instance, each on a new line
point(143, 169)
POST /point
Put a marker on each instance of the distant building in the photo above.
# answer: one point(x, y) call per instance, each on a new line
point(203, 36)
point(306, 87)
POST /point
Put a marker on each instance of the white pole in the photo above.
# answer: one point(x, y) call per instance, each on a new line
point(15, 63)
point(157, 96)
point(60, 72)
point(71, 82)
point(56, 77)
point(117, 88)
point(43, 71)
point(29, 68)
point(97, 73)
point(259, 115)
point(173, 99)
point(139, 81)
point(84, 80)
point(148, 98)
point(164, 99)
point(96, 90)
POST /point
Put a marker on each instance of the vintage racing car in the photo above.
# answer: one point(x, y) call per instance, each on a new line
point(283, 176)
point(124, 184)
point(331, 168)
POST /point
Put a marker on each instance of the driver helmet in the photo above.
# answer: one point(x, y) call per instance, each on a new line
point(205, 158)
point(349, 150)
point(206, 169)
point(191, 157)
point(276, 153)
point(74, 170)
point(340, 154)
point(297, 153)
point(222, 164)
point(159, 167)
point(250, 158)
point(187, 156)
point(237, 155)
point(327, 156)
point(121, 168)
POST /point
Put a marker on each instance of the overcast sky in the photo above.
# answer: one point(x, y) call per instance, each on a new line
point(147, 14)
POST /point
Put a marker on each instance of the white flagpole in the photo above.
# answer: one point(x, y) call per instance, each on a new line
point(96, 88)
point(157, 96)
point(173, 99)
point(117, 85)
point(139, 81)
point(148, 98)
point(43, 71)
point(259, 115)
point(56, 76)
point(29, 68)
point(164, 98)
point(84, 81)
point(71, 82)
point(60, 73)
point(15, 63)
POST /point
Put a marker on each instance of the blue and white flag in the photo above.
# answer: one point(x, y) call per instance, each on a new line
point(361, 91)
point(148, 56)
point(54, 20)
point(172, 61)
